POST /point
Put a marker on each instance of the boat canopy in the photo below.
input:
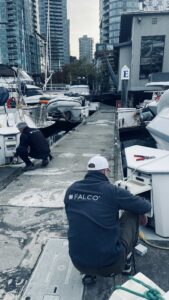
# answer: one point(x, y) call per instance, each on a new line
point(4, 95)
point(6, 71)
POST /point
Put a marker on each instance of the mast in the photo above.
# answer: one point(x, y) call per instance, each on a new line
point(48, 48)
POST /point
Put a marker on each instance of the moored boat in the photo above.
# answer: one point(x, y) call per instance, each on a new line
point(159, 126)
point(72, 109)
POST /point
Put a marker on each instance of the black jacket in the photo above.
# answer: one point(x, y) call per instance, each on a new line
point(92, 207)
point(33, 138)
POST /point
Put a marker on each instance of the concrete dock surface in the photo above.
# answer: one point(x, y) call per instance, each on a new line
point(32, 208)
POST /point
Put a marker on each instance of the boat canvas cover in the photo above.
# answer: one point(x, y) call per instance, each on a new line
point(4, 95)
point(6, 71)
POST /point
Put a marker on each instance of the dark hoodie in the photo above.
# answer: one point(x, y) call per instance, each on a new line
point(92, 207)
point(33, 137)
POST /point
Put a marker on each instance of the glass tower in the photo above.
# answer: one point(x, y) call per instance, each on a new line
point(86, 48)
point(18, 28)
point(110, 15)
point(54, 26)
point(110, 18)
point(3, 33)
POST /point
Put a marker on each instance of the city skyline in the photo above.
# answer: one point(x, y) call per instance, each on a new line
point(84, 20)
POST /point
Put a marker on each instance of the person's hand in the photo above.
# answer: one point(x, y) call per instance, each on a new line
point(143, 220)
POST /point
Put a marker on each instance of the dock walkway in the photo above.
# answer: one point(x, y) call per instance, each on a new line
point(32, 209)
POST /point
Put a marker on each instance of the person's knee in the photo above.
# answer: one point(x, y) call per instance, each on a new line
point(20, 151)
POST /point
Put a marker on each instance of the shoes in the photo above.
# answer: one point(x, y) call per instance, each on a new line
point(50, 157)
point(45, 162)
point(127, 269)
point(88, 279)
point(29, 167)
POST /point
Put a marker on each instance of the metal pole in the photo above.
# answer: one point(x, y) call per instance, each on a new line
point(124, 93)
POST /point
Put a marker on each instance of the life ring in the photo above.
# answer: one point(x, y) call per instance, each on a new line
point(11, 102)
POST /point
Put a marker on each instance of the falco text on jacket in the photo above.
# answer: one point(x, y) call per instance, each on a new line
point(83, 197)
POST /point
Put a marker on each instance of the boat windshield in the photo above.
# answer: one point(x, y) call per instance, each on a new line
point(33, 92)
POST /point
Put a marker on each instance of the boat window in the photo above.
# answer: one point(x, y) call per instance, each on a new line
point(33, 92)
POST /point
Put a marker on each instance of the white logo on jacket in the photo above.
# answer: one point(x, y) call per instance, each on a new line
point(83, 197)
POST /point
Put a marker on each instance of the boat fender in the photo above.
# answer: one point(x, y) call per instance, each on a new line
point(11, 102)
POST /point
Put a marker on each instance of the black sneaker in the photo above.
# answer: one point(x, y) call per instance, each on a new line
point(127, 269)
point(88, 279)
point(45, 162)
point(50, 157)
point(29, 167)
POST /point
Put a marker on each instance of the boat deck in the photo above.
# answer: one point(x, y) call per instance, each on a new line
point(32, 209)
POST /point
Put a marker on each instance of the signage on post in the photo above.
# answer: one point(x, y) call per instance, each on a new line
point(125, 73)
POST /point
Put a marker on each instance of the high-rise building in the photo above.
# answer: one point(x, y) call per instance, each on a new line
point(3, 25)
point(54, 27)
point(111, 11)
point(18, 29)
point(110, 17)
point(86, 48)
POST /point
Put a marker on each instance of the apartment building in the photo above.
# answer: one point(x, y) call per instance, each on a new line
point(86, 48)
point(54, 27)
point(110, 17)
point(111, 11)
point(19, 44)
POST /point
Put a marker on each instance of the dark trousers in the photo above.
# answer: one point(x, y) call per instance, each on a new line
point(23, 153)
point(129, 234)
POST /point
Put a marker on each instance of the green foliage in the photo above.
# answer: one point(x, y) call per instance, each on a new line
point(80, 72)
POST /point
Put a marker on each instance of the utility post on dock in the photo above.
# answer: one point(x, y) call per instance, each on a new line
point(125, 76)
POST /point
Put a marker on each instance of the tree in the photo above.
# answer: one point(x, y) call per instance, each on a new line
point(78, 72)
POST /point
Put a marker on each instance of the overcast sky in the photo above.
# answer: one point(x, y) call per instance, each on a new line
point(84, 19)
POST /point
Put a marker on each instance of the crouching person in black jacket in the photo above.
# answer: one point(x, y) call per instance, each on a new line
point(32, 144)
point(101, 243)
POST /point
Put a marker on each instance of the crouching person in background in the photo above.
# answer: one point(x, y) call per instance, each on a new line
point(32, 144)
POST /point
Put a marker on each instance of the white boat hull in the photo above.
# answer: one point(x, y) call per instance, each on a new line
point(9, 134)
point(128, 117)
point(159, 126)
point(159, 129)
point(72, 109)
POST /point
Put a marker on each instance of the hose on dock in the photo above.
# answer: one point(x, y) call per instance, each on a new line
point(142, 237)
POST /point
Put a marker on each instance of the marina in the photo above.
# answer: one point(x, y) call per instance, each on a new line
point(32, 216)
point(84, 150)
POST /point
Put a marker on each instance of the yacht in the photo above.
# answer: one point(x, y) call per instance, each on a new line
point(159, 126)
point(70, 108)
point(81, 89)
point(14, 110)
point(9, 134)
point(149, 106)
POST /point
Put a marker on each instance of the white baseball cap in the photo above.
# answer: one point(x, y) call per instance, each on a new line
point(97, 163)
